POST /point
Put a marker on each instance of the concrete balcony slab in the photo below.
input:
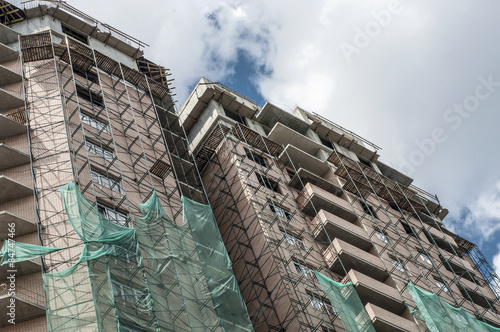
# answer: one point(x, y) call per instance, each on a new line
point(10, 157)
point(328, 226)
point(23, 226)
point(312, 199)
point(377, 293)
point(7, 53)
point(11, 189)
point(25, 309)
point(9, 127)
point(304, 177)
point(386, 321)
point(341, 255)
point(9, 101)
point(8, 76)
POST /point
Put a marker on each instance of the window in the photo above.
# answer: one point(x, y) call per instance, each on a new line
point(382, 237)
point(88, 75)
point(368, 209)
point(111, 214)
point(127, 295)
point(123, 254)
point(94, 123)
point(89, 96)
point(398, 265)
point(304, 270)
point(408, 229)
point(442, 286)
point(99, 151)
point(281, 212)
point(290, 239)
point(103, 180)
point(258, 159)
point(268, 183)
point(321, 304)
point(425, 258)
point(75, 34)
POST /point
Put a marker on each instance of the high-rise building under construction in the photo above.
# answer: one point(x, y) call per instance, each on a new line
point(104, 193)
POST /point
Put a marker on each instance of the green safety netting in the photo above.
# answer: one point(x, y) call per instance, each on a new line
point(441, 316)
point(181, 285)
point(347, 304)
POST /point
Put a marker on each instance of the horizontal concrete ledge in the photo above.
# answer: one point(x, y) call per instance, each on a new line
point(9, 127)
point(23, 226)
point(7, 76)
point(7, 53)
point(10, 157)
point(11, 190)
point(9, 101)
point(25, 310)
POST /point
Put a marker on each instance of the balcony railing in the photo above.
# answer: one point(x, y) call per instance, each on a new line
point(386, 321)
point(11, 190)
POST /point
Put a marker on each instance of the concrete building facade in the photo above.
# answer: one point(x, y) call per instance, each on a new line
point(295, 193)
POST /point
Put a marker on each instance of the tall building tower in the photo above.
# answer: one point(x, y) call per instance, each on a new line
point(322, 234)
point(100, 201)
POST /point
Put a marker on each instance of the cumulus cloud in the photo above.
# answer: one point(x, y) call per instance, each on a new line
point(482, 216)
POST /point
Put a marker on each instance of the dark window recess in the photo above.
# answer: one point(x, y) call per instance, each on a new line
point(408, 229)
point(89, 96)
point(257, 158)
point(326, 142)
point(88, 75)
point(368, 209)
point(291, 174)
point(365, 162)
point(75, 34)
point(268, 183)
point(236, 117)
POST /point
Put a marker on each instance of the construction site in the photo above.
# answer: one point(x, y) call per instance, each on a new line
point(121, 213)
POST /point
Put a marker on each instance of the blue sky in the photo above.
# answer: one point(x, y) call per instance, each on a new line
point(418, 78)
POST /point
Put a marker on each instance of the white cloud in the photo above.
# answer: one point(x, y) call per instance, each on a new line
point(483, 217)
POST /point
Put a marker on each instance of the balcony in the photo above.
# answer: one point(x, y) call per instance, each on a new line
point(340, 255)
point(29, 305)
point(284, 135)
point(443, 240)
point(23, 226)
point(8, 35)
point(7, 76)
point(301, 159)
point(10, 127)
point(386, 321)
point(304, 176)
point(9, 101)
point(477, 294)
point(376, 292)
point(326, 223)
point(10, 157)
point(21, 269)
point(7, 53)
point(11, 190)
point(313, 199)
